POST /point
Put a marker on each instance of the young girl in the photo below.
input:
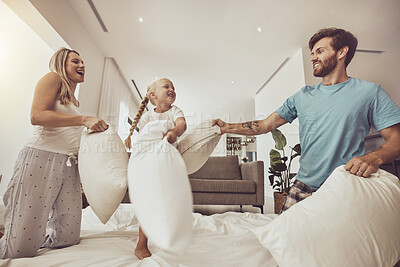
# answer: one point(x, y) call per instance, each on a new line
point(160, 93)
point(46, 180)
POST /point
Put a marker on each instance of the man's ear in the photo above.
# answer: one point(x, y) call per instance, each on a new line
point(343, 52)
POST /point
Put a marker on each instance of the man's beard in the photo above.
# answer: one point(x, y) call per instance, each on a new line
point(326, 67)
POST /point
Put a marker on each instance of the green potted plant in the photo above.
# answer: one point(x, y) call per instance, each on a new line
point(280, 177)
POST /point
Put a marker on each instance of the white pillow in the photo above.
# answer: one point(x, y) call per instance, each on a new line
point(349, 221)
point(122, 219)
point(197, 144)
point(159, 189)
point(103, 162)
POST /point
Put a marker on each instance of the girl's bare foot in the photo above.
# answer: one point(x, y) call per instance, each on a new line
point(142, 252)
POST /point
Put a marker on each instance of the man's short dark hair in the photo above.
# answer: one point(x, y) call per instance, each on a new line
point(340, 38)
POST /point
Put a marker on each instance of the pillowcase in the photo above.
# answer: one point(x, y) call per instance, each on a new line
point(349, 221)
point(159, 189)
point(197, 144)
point(103, 163)
point(123, 219)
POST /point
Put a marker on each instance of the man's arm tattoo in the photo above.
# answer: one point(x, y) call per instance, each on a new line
point(251, 126)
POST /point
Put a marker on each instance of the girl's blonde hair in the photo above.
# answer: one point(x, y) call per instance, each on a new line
point(57, 64)
point(151, 88)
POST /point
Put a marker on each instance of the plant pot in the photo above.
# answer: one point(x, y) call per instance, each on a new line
point(279, 200)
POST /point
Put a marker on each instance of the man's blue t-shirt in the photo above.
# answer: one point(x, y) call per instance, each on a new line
point(334, 121)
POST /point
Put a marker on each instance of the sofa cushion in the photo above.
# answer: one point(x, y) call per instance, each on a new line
point(219, 168)
point(211, 198)
point(223, 186)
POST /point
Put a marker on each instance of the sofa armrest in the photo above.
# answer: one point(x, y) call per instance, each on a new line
point(254, 171)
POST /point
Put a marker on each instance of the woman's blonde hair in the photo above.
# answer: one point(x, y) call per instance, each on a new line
point(57, 64)
point(151, 88)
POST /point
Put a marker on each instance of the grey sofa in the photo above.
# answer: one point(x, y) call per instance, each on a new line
point(223, 181)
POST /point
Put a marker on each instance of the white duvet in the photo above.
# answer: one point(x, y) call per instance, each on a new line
point(350, 221)
point(218, 240)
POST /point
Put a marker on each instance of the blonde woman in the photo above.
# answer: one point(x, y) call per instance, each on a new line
point(45, 188)
point(161, 93)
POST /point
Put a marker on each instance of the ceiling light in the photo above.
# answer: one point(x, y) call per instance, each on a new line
point(232, 82)
point(140, 19)
point(259, 29)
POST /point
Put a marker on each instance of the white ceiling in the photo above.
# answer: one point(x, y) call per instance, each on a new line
point(212, 50)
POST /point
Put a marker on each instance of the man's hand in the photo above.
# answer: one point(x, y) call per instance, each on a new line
point(222, 125)
point(171, 136)
point(256, 127)
point(369, 163)
point(363, 165)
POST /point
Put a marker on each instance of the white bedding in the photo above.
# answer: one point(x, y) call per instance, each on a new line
point(350, 221)
point(218, 240)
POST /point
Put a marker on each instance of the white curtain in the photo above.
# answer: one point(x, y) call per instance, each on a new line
point(117, 101)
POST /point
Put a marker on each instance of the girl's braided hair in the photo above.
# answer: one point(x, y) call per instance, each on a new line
point(140, 111)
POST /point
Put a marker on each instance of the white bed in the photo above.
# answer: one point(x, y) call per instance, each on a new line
point(218, 240)
point(349, 221)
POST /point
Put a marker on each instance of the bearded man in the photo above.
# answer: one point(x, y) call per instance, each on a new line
point(334, 118)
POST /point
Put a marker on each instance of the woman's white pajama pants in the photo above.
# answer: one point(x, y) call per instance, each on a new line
point(43, 193)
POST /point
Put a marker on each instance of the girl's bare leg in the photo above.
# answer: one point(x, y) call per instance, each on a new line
point(141, 250)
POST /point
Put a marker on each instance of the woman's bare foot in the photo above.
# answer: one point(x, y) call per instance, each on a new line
point(142, 252)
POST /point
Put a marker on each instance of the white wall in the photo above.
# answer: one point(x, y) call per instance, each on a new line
point(287, 81)
point(383, 69)
point(74, 33)
point(26, 46)
point(25, 58)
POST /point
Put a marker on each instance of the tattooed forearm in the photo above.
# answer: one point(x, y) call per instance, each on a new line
point(252, 127)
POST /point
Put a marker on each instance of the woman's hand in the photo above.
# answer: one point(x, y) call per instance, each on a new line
point(95, 124)
point(171, 136)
